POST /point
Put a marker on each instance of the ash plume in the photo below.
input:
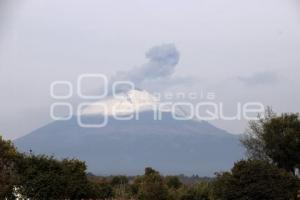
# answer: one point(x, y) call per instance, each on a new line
point(162, 63)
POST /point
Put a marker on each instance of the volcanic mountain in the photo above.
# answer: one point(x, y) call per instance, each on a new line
point(136, 139)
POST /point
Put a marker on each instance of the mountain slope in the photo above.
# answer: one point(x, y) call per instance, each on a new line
point(126, 147)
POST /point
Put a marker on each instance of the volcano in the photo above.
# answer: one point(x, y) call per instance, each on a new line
point(128, 146)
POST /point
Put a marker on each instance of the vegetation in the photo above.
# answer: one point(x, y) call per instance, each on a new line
point(272, 143)
point(255, 179)
point(8, 163)
point(275, 139)
point(42, 177)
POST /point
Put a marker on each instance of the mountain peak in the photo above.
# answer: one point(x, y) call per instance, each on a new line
point(123, 103)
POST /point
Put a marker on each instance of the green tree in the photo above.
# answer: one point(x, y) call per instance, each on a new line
point(276, 139)
point(8, 173)
point(119, 180)
point(199, 191)
point(173, 182)
point(76, 182)
point(44, 177)
point(120, 187)
point(255, 180)
point(151, 186)
point(100, 191)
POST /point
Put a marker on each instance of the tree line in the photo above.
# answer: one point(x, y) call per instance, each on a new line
point(268, 173)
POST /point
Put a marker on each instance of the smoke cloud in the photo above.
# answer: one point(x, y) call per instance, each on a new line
point(162, 62)
point(260, 78)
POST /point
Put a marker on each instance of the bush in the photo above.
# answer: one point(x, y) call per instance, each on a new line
point(173, 182)
point(8, 172)
point(255, 180)
point(199, 191)
point(151, 186)
point(43, 177)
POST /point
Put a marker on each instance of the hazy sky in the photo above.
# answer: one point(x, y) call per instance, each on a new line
point(243, 50)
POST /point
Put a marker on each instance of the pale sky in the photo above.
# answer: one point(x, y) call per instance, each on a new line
point(243, 50)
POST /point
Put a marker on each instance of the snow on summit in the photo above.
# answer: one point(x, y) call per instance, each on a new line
point(123, 103)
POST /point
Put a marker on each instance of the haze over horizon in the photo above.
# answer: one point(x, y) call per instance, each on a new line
point(240, 50)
